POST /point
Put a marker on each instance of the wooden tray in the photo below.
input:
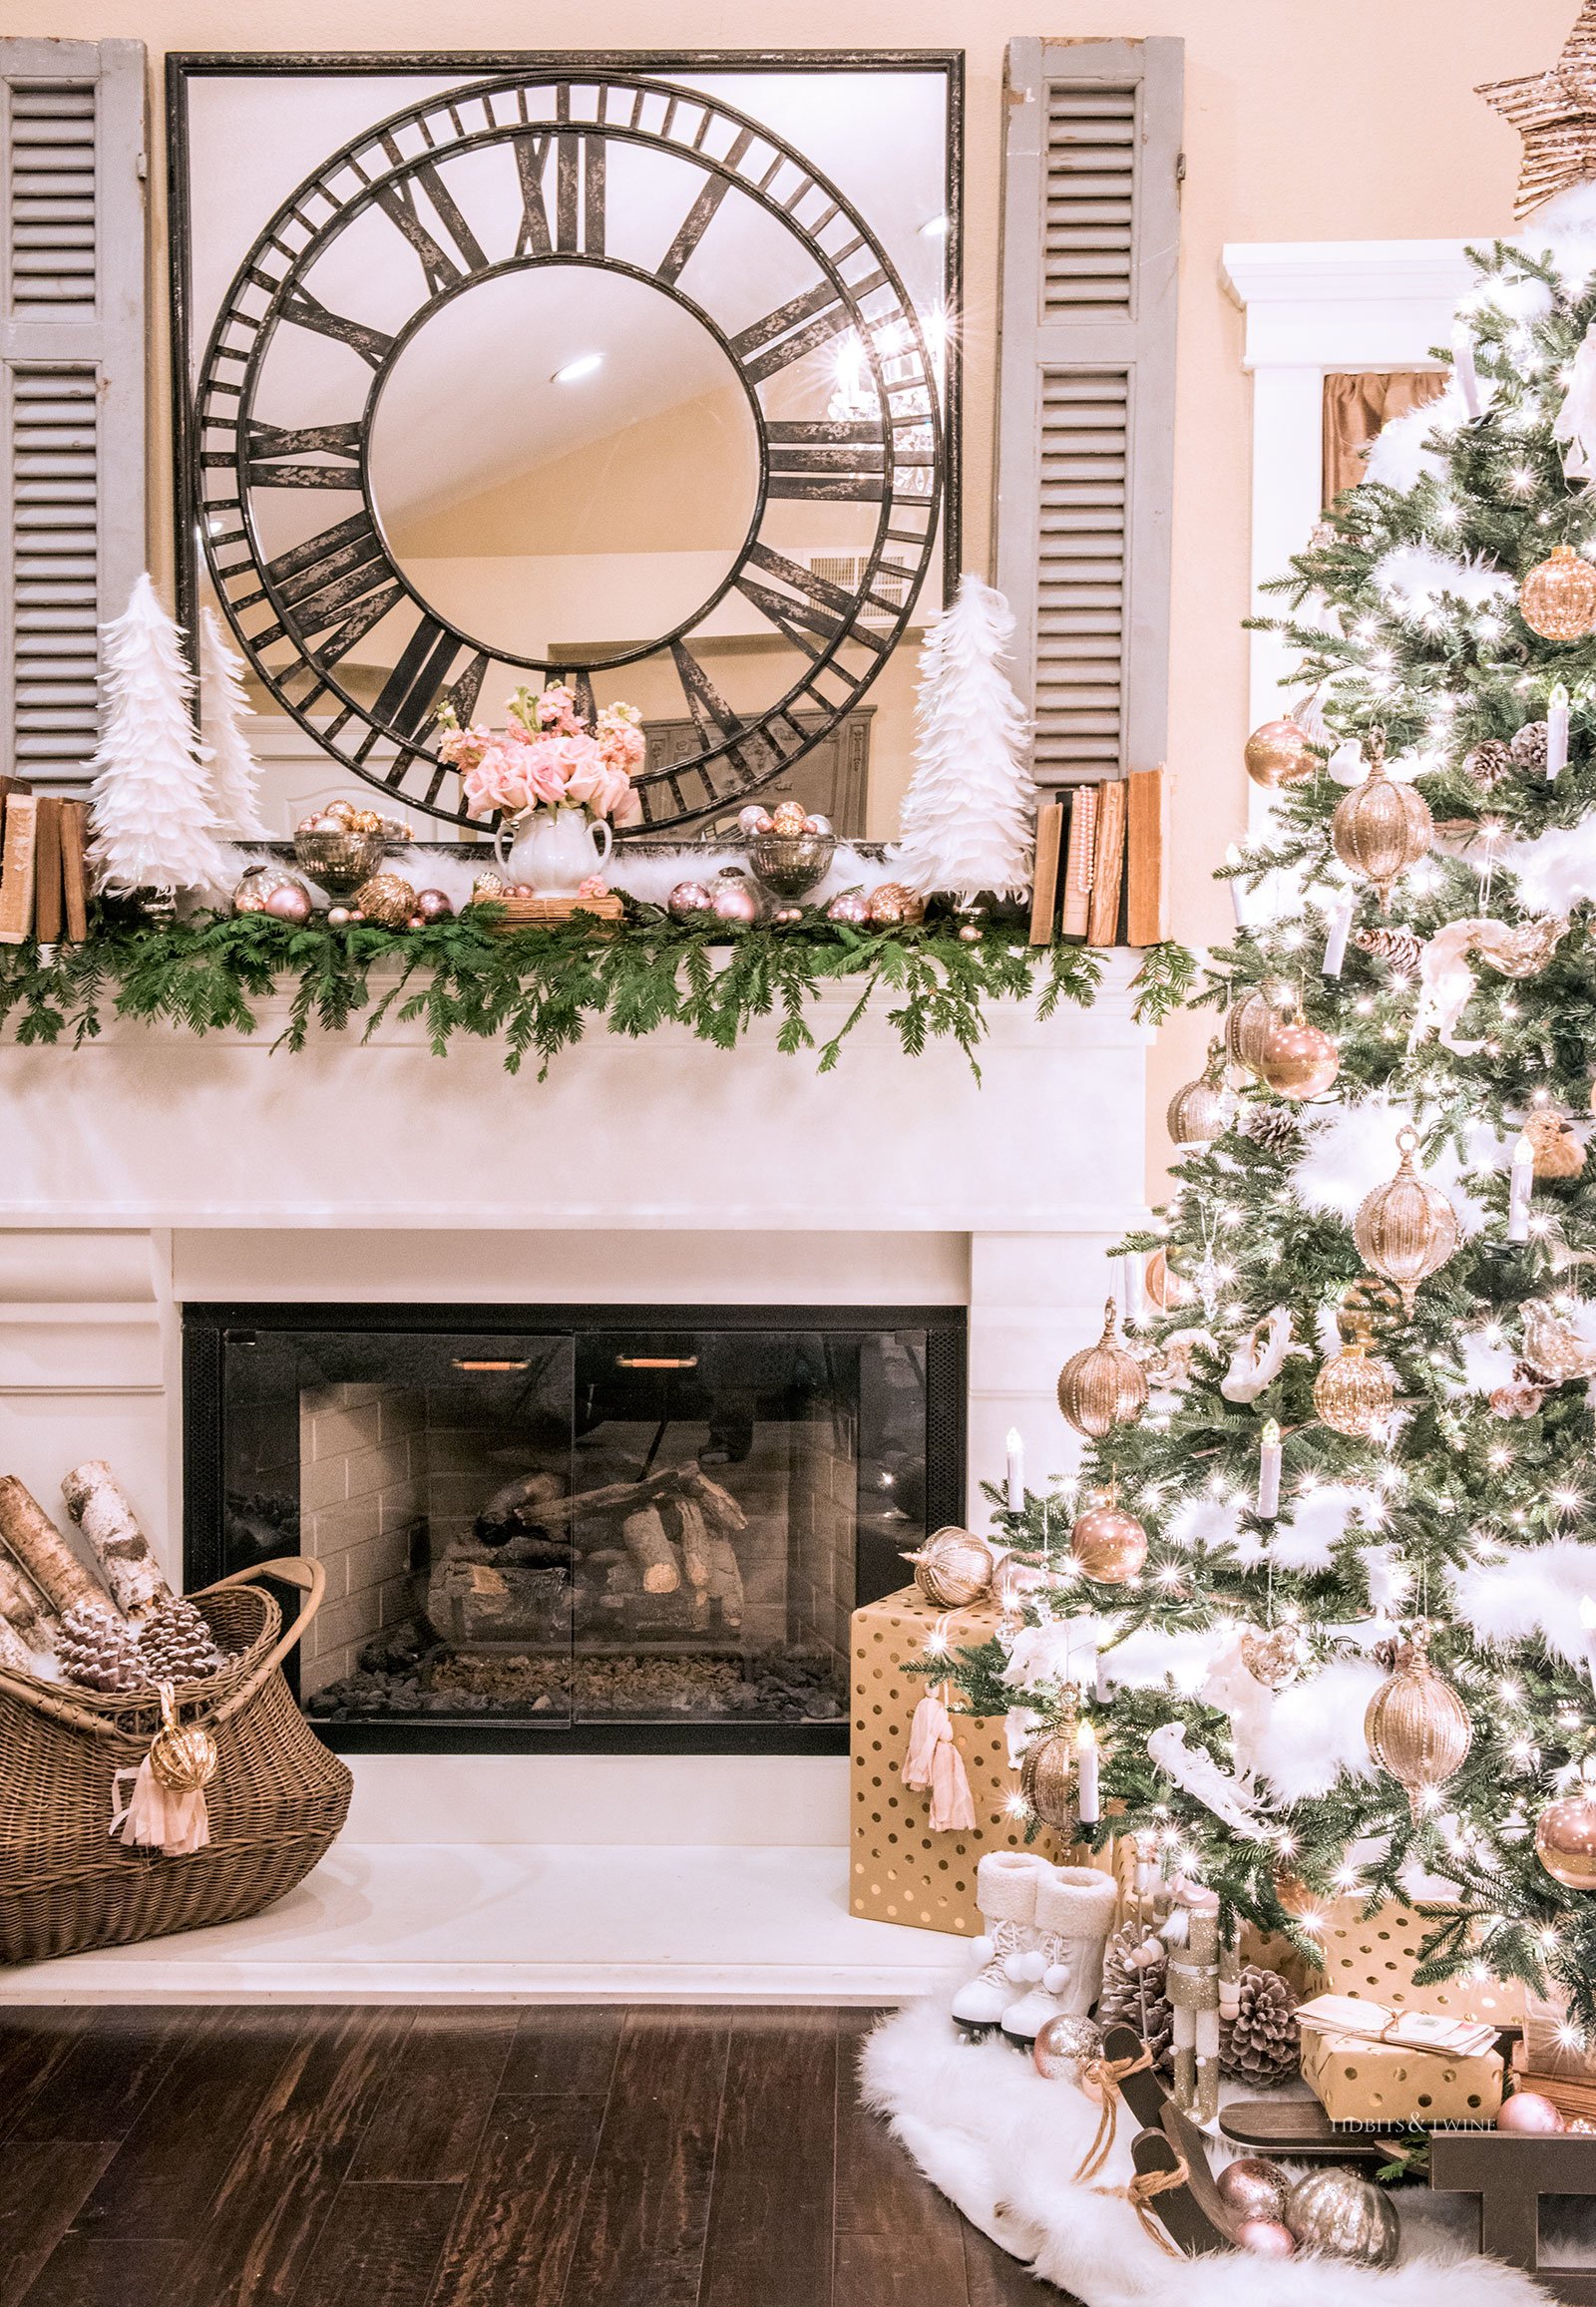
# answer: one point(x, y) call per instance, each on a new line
point(544, 912)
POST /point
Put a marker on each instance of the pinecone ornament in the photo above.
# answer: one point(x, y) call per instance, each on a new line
point(179, 1646)
point(1528, 749)
point(99, 1653)
point(1273, 1127)
point(1490, 762)
point(1261, 2045)
point(1132, 1991)
point(1399, 949)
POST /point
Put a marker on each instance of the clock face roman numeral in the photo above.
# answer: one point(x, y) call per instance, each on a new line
point(272, 454)
point(409, 695)
point(701, 215)
point(338, 585)
point(828, 463)
point(443, 271)
point(797, 329)
point(534, 238)
point(302, 309)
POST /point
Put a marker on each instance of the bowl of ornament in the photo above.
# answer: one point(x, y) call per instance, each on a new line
point(340, 846)
point(790, 851)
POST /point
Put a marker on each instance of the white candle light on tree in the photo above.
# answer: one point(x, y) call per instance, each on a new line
point(1269, 1459)
point(1238, 896)
point(1090, 1803)
point(1557, 733)
point(1521, 1184)
point(1017, 1473)
point(1464, 368)
point(1587, 1618)
point(1340, 926)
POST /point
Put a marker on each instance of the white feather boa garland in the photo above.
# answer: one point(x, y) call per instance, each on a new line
point(1314, 1732)
point(1353, 1149)
point(1537, 1589)
point(1002, 2144)
point(1306, 1538)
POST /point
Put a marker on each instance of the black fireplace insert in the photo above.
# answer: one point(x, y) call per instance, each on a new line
point(575, 1529)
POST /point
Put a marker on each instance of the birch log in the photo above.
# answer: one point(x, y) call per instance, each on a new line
point(696, 1557)
point(725, 1578)
point(651, 1550)
point(24, 1610)
point(45, 1555)
point(97, 1501)
point(15, 1656)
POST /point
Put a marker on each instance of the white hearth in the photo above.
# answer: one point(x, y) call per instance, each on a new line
point(149, 1169)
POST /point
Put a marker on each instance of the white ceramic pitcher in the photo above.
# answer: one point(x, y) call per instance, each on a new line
point(555, 849)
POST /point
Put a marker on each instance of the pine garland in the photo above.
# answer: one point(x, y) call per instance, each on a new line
point(540, 989)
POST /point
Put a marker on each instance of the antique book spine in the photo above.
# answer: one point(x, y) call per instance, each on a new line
point(1044, 876)
point(1079, 861)
point(74, 869)
point(47, 871)
point(17, 862)
point(1108, 867)
point(1147, 858)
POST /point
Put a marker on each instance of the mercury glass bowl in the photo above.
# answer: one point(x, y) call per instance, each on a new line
point(790, 865)
point(341, 861)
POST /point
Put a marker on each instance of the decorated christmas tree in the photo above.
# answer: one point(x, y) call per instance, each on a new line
point(1325, 1592)
point(969, 817)
point(225, 748)
point(153, 827)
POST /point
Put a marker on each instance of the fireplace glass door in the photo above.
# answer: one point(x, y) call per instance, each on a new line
point(573, 1527)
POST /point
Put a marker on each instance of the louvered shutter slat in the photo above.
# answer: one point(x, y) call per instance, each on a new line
point(72, 352)
point(1091, 233)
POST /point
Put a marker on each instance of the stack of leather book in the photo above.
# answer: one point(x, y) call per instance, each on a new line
point(1102, 862)
point(44, 881)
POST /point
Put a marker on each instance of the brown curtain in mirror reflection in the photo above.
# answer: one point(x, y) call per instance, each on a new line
point(1358, 407)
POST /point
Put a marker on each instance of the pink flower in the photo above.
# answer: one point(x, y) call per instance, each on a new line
point(556, 710)
point(629, 809)
point(621, 745)
point(463, 748)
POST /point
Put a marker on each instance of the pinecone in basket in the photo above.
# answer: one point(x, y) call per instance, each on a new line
point(1528, 748)
point(1274, 1127)
point(1132, 1993)
point(178, 1646)
point(1399, 947)
point(1490, 762)
point(99, 1652)
point(1260, 2045)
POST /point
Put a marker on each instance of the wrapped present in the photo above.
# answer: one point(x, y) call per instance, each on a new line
point(1375, 1957)
point(1371, 2066)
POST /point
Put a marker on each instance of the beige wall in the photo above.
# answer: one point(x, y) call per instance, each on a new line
point(1302, 123)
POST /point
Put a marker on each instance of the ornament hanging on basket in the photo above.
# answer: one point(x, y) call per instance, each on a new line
point(1248, 1024)
point(952, 1568)
point(1355, 1392)
point(1406, 1230)
point(1108, 1544)
point(1298, 1060)
point(1382, 828)
point(1201, 1112)
point(1416, 1726)
point(1102, 1387)
point(1565, 1835)
point(1280, 754)
point(1557, 600)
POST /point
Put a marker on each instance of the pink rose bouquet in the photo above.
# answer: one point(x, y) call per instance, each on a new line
point(545, 758)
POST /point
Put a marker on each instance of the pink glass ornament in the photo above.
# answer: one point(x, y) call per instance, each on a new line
point(338, 917)
point(850, 907)
point(1527, 2111)
point(735, 904)
point(433, 906)
point(290, 903)
point(753, 820)
point(1267, 2238)
point(688, 901)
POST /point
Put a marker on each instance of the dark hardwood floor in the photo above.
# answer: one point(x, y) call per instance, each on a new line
point(546, 2158)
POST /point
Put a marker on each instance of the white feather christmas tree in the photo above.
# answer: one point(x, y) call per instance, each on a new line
point(969, 817)
point(225, 749)
point(153, 824)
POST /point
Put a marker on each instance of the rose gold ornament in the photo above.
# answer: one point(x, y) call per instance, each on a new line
point(1553, 1348)
point(753, 820)
point(1248, 1025)
point(1252, 2187)
point(433, 906)
point(952, 1568)
point(416, 922)
point(1064, 2045)
point(688, 903)
point(1266, 2238)
point(969, 933)
point(1382, 828)
point(1355, 1392)
point(1565, 1837)
point(1408, 1230)
point(1102, 1387)
point(387, 897)
point(734, 902)
point(851, 908)
point(789, 816)
point(338, 917)
point(1166, 1288)
point(258, 883)
point(1416, 1726)
point(1272, 1655)
point(1558, 1152)
point(1298, 1060)
point(1557, 598)
point(1109, 1545)
point(1014, 1580)
point(1201, 1112)
point(489, 888)
point(1279, 753)
point(892, 905)
point(289, 902)
point(1521, 1397)
point(1528, 2112)
point(1344, 2217)
point(1048, 1780)
point(1522, 951)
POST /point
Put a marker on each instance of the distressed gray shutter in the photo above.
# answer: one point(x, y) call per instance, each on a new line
point(1091, 231)
point(72, 384)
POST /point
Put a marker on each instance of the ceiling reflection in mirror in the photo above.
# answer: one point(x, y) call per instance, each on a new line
point(606, 378)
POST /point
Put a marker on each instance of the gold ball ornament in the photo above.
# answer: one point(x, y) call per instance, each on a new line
point(1406, 1230)
point(1102, 1387)
point(1355, 1392)
point(1047, 1780)
point(1416, 1726)
point(1248, 1025)
point(183, 1760)
point(1280, 754)
point(1201, 1112)
point(1273, 1656)
point(952, 1568)
point(894, 905)
point(1380, 827)
point(1565, 1837)
point(1345, 2218)
point(1108, 1545)
point(788, 818)
point(387, 899)
point(1298, 1060)
point(1166, 1288)
point(1557, 598)
point(1558, 1152)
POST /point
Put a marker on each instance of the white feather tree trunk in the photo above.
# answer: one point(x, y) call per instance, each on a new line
point(969, 817)
point(225, 749)
point(153, 827)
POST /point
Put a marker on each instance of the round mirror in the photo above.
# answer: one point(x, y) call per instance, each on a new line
point(565, 463)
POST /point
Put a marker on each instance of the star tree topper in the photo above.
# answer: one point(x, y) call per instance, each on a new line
point(1555, 114)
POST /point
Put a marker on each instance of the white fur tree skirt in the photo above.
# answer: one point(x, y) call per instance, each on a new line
point(1003, 2144)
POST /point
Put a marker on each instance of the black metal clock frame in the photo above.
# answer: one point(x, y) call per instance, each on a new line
point(321, 597)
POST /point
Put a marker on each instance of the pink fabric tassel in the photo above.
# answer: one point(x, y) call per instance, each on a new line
point(155, 1819)
point(933, 1762)
point(929, 1725)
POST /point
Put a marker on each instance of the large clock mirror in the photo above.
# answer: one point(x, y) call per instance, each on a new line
point(636, 373)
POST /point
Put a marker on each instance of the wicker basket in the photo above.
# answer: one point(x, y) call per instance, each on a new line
point(276, 1803)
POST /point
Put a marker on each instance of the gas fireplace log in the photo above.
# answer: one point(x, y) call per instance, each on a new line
point(652, 1551)
point(696, 1556)
point(45, 1555)
point(725, 1579)
point(98, 1505)
point(612, 1499)
point(517, 1506)
point(719, 1505)
point(24, 1610)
